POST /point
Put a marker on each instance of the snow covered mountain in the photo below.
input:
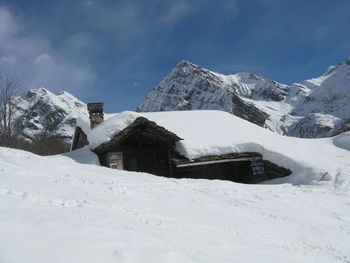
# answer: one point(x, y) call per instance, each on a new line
point(318, 107)
point(41, 109)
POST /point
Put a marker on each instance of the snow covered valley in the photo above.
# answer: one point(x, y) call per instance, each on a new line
point(67, 209)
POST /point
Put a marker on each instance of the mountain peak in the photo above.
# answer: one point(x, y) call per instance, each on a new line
point(339, 66)
point(186, 63)
point(186, 66)
point(289, 110)
point(63, 92)
point(39, 107)
point(40, 93)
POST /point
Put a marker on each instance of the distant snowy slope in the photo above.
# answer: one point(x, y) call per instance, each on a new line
point(53, 209)
point(40, 108)
point(328, 94)
point(317, 107)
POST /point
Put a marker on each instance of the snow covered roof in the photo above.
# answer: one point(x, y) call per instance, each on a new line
point(216, 132)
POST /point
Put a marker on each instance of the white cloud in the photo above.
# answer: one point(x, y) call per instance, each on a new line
point(88, 3)
point(80, 41)
point(176, 11)
point(230, 5)
point(42, 59)
point(216, 11)
point(11, 60)
point(132, 18)
point(7, 24)
point(33, 60)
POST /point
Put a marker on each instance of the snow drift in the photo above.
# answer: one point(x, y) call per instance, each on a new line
point(53, 209)
point(216, 132)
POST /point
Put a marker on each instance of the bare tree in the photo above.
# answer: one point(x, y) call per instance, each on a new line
point(48, 131)
point(9, 87)
point(47, 142)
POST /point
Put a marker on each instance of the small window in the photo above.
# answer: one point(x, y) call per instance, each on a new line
point(115, 160)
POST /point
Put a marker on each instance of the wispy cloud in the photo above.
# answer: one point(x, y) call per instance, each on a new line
point(34, 61)
point(88, 3)
point(7, 25)
point(139, 18)
point(176, 11)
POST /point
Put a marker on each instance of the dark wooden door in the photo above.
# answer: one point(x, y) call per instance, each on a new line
point(139, 162)
point(154, 162)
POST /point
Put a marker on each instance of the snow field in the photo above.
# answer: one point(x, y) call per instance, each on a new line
point(53, 209)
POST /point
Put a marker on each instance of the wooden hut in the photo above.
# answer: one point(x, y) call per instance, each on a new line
point(145, 146)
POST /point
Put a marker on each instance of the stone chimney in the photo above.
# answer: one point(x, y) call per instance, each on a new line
point(96, 113)
point(346, 126)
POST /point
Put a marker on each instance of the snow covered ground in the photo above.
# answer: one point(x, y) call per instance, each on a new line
point(66, 209)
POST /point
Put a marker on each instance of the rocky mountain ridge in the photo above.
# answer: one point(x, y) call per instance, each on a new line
point(318, 107)
point(40, 109)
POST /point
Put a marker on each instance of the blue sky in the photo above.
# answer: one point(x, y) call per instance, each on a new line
point(116, 51)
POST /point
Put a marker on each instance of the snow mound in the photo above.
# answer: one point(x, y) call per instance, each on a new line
point(83, 155)
point(342, 141)
point(216, 132)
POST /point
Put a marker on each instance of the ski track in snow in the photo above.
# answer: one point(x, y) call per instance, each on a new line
point(53, 209)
